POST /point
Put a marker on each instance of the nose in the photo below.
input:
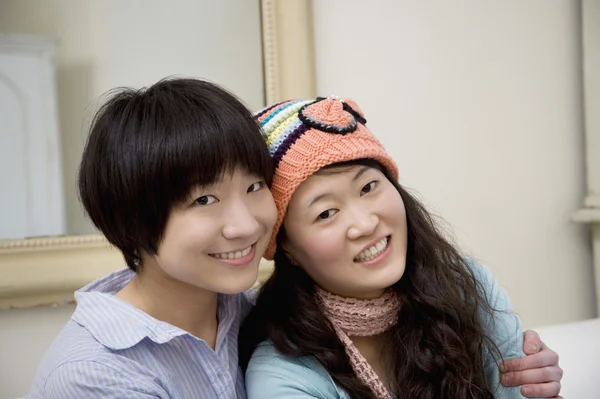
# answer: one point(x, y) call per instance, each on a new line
point(363, 222)
point(240, 222)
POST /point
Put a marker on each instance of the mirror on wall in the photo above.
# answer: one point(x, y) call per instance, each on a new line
point(58, 59)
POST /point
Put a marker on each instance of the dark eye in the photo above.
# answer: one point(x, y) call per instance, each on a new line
point(256, 186)
point(327, 214)
point(206, 200)
point(369, 187)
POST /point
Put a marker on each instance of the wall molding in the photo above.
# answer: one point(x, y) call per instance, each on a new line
point(590, 213)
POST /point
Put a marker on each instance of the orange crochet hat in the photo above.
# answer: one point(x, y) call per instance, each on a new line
point(305, 136)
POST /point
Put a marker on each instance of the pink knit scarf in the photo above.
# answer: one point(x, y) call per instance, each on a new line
point(362, 318)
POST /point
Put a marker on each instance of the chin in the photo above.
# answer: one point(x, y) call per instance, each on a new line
point(239, 283)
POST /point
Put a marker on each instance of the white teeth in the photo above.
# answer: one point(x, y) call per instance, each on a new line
point(232, 255)
point(372, 252)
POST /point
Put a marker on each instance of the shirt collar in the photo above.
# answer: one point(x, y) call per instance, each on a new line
point(119, 325)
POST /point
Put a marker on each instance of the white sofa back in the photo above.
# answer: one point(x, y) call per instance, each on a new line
point(578, 347)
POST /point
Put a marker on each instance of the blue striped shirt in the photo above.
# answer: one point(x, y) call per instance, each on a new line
point(110, 349)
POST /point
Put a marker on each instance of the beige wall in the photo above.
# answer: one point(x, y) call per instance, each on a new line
point(112, 43)
point(25, 334)
point(480, 102)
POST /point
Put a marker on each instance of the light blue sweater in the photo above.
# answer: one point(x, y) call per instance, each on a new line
point(273, 375)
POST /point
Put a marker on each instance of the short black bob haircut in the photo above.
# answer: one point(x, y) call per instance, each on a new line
point(148, 148)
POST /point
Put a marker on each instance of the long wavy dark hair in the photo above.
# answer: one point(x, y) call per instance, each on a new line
point(435, 350)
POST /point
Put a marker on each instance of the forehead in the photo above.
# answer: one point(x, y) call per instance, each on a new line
point(326, 175)
point(326, 181)
point(232, 179)
point(226, 177)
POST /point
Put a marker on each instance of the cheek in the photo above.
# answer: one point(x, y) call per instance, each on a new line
point(185, 237)
point(265, 210)
point(325, 256)
point(182, 251)
point(261, 207)
point(393, 207)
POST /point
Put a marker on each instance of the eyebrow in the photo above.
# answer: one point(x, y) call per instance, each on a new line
point(357, 176)
point(360, 172)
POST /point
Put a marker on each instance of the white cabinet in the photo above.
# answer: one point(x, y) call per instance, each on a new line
point(31, 188)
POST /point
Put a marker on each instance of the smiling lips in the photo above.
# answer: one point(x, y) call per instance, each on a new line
point(242, 257)
point(373, 251)
point(236, 258)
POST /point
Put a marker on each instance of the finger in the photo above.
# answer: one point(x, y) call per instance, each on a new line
point(532, 342)
point(546, 390)
point(546, 357)
point(535, 376)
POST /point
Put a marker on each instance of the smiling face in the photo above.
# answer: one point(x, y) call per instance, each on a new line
point(215, 240)
point(346, 227)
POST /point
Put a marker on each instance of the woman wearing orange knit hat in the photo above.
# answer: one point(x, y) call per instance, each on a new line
point(368, 298)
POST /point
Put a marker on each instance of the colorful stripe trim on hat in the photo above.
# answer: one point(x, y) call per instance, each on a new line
point(269, 108)
point(283, 148)
point(272, 119)
point(281, 123)
point(268, 117)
